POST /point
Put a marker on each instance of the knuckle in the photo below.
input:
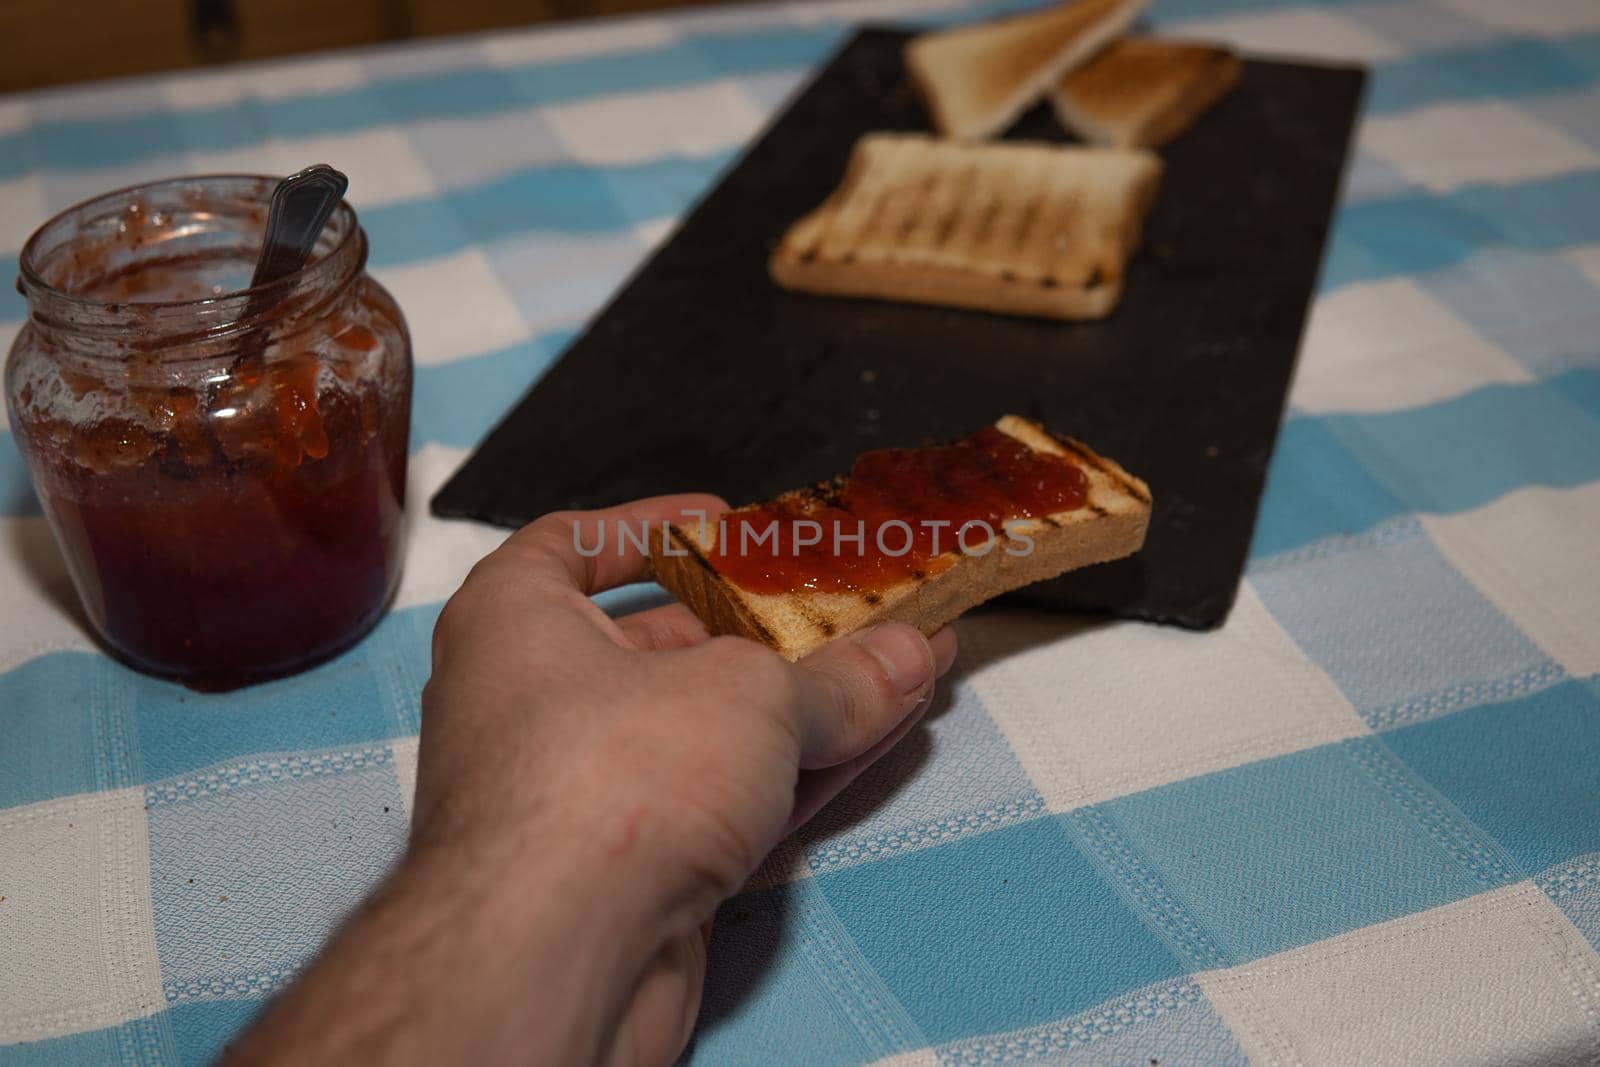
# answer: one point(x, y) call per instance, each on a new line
point(867, 685)
point(852, 711)
point(452, 624)
point(550, 523)
point(861, 702)
point(721, 855)
point(548, 535)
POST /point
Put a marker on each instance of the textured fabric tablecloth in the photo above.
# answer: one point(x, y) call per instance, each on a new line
point(1358, 824)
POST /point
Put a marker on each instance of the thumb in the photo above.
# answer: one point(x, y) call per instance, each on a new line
point(853, 692)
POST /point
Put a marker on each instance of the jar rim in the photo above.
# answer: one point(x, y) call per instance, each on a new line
point(32, 279)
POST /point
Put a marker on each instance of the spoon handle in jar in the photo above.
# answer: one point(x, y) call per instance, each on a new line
point(299, 209)
point(301, 204)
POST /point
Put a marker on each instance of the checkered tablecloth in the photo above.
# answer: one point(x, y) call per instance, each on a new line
point(1358, 824)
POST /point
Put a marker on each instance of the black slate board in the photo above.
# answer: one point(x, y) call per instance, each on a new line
point(702, 375)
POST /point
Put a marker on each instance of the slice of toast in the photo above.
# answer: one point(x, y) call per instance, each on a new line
point(1111, 524)
point(1143, 91)
point(978, 79)
point(1013, 227)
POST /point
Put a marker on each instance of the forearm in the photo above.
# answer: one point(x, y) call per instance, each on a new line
point(445, 965)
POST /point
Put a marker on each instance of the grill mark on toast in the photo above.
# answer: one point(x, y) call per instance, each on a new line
point(850, 194)
point(1061, 246)
point(869, 225)
point(913, 215)
point(766, 636)
point(1025, 220)
point(820, 622)
point(788, 502)
point(965, 180)
point(1037, 248)
point(693, 551)
point(991, 211)
point(1082, 452)
point(1023, 217)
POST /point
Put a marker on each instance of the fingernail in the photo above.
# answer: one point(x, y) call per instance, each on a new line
point(904, 655)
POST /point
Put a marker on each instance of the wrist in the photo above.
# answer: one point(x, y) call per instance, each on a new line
point(525, 955)
point(544, 878)
point(604, 863)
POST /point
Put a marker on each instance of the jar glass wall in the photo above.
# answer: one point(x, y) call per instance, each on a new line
point(223, 467)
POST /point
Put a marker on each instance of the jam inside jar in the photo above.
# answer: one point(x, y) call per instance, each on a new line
point(223, 467)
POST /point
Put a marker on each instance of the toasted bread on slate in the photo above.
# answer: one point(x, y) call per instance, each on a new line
point(1143, 91)
point(1110, 525)
point(978, 79)
point(1014, 227)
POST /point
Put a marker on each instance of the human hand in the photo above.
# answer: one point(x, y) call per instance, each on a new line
point(589, 790)
point(680, 760)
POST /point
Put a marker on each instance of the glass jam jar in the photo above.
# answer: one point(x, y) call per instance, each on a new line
point(224, 468)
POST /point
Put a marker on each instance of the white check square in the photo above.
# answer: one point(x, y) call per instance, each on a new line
point(15, 115)
point(550, 45)
point(1300, 31)
point(23, 208)
point(1501, 977)
point(456, 307)
point(439, 552)
point(1549, 18)
point(76, 930)
point(631, 127)
point(383, 164)
point(1587, 259)
point(1385, 346)
point(273, 81)
point(1098, 710)
point(1446, 146)
point(1532, 554)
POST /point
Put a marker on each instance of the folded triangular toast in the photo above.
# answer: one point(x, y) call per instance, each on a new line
point(1143, 91)
point(1013, 227)
point(978, 79)
point(795, 614)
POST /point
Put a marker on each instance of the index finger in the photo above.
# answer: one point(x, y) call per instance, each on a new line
point(598, 550)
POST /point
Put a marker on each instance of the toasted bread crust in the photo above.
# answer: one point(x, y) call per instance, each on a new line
point(1143, 91)
point(1111, 524)
point(1016, 228)
point(977, 79)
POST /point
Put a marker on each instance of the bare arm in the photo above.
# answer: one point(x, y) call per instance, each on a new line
point(588, 792)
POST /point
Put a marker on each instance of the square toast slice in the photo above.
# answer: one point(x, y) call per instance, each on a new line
point(1143, 91)
point(1110, 524)
point(1016, 227)
point(978, 79)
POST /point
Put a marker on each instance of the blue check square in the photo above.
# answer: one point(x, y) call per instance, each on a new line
point(1280, 853)
point(1399, 630)
point(996, 932)
point(1527, 770)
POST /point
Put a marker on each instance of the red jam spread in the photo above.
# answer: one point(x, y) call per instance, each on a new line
point(909, 508)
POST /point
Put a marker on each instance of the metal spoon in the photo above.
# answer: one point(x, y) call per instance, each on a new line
point(300, 207)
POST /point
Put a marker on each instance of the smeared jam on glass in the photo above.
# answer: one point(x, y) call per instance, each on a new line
point(910, 507)
point(228, 514)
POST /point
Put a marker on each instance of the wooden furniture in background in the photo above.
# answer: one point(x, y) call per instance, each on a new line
point(46, 42)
